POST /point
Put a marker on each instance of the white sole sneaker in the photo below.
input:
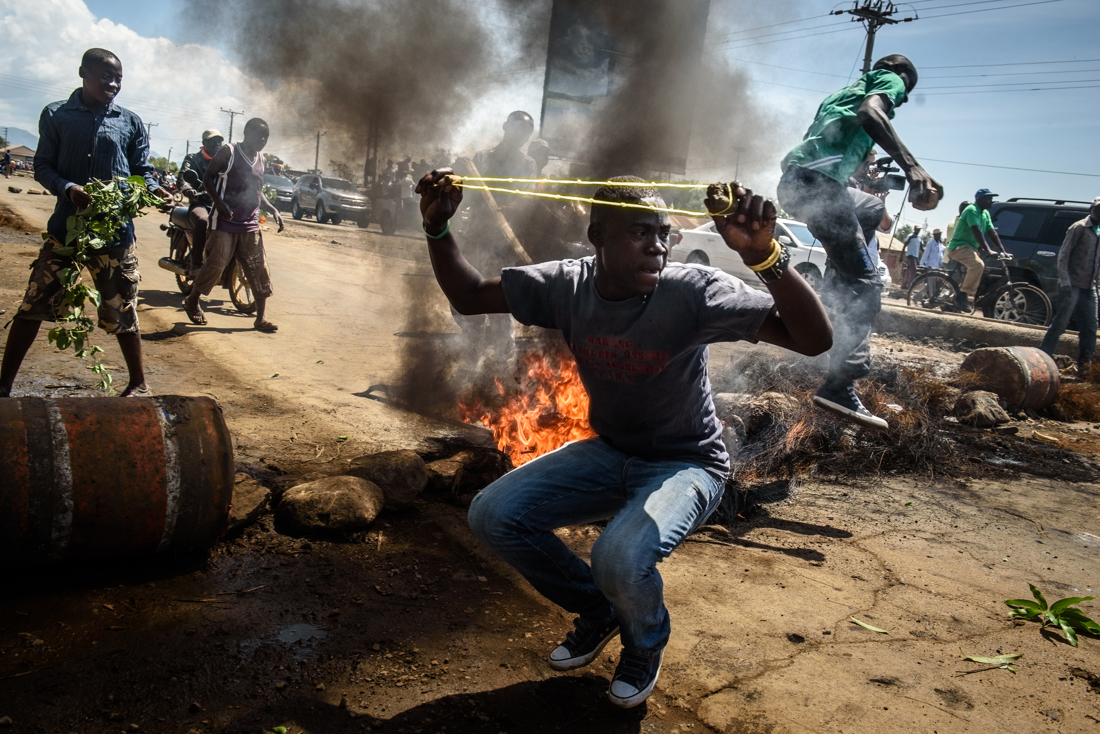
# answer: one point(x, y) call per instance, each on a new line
point(628, 700)
point(864, 419)
point(562, 659)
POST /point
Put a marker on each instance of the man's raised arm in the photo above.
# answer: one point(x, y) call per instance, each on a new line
point(874, 117)
point(463, 285)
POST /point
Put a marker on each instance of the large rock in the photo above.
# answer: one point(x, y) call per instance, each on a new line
point(980, 408)
point(402, 475)
point(250, 499)
point(468, 471)
point(343, 504)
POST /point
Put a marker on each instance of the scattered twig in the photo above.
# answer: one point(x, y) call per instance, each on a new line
point(246, 591)
point(204, 601)
point(941, 708)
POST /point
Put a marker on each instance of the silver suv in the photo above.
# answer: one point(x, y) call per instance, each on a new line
point(329, 200)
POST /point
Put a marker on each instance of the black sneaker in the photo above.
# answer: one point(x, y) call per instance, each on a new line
point(963, 302)
point(582, 645)
point(841, 398)
point(634, 678)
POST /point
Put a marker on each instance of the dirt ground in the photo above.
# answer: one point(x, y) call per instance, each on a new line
point(413, 627)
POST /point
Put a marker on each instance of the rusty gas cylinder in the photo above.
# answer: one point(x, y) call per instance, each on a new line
point(1024, 377)
point(85, 478)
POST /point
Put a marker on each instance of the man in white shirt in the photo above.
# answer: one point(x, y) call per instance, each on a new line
point(933, 251)
point(912, 254)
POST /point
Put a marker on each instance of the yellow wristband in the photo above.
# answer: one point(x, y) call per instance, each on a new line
point(772, 259)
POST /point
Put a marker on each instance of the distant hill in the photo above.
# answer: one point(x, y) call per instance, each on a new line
point(19, 136)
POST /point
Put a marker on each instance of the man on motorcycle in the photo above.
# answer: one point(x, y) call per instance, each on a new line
point(190, 183)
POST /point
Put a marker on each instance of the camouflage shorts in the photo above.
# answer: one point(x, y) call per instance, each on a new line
point(114, 272)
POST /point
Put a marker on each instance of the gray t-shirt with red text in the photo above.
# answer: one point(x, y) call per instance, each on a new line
point(643, 361)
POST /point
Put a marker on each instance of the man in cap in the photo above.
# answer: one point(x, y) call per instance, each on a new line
point(973, 231)
point(933, 251)
point(814, 188)
point(190, 183)
point(1078, 278)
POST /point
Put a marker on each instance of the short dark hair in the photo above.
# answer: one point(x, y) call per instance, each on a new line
point(625, 194)
point(254, 122)
point(521, 116)
point(963, 206)
point(96, 56)
point(899, 65)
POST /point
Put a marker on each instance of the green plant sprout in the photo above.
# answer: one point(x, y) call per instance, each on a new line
point(1059, 614)
point(93, 228)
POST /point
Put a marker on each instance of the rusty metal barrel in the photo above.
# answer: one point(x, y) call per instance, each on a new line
point(1024, 377)
point(85, 478)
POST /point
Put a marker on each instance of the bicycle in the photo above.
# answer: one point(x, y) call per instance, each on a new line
point(998, 295)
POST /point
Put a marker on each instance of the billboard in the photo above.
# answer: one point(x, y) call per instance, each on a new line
point(613, 60)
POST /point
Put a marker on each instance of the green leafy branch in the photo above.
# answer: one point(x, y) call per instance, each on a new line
point(272, 196)
point(1060, 614)
point(96, 226)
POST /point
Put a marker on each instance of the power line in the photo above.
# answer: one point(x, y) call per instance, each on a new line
point(986, 10)
point(843, 24)
point(1013, 168)
point(1014, 73)
point(1013, 63)
point(1001, 91)
point(1013, 84)
point(795, 38)
point(773, 25)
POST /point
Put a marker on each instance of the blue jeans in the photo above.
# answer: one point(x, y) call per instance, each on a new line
point(1079, 302)
point(654, 505)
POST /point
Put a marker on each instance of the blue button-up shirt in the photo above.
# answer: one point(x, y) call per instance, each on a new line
point(76, 146)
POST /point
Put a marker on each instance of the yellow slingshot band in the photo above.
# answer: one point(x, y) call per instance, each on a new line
point(483, 181)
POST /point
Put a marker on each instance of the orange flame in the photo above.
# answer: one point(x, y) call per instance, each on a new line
point(547, 410)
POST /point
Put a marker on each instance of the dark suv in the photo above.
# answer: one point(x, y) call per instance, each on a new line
point(1032, 231)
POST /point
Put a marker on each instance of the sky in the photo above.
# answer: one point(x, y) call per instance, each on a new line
point(1004, 84)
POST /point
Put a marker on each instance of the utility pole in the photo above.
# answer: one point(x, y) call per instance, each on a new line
point(187, 150)
point(317, 153)
point(169, 163)
point(232, 114)
point(149, 131)
point(873, 14)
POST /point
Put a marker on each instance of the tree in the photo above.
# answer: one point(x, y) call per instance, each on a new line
point(903, 232)
point(4, 142)
point(162, 164)
point(341, 169)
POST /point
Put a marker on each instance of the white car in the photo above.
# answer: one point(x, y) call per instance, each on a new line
point(704, 245)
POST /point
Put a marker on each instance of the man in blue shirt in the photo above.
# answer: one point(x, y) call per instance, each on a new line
point(86, 138)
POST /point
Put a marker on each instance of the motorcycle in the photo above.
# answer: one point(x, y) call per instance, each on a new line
point(179, 229)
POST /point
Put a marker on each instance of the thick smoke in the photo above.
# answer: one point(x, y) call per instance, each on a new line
point(407, 73)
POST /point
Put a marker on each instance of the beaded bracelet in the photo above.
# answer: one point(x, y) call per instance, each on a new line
point(439, 236)
point(772, 259)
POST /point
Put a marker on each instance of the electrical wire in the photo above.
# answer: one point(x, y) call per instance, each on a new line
point(1013, 168)
point(986, 10)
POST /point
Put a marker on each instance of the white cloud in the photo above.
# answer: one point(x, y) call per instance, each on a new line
point(179, 87)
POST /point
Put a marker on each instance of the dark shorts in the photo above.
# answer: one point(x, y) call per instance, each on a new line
point(114, 272)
